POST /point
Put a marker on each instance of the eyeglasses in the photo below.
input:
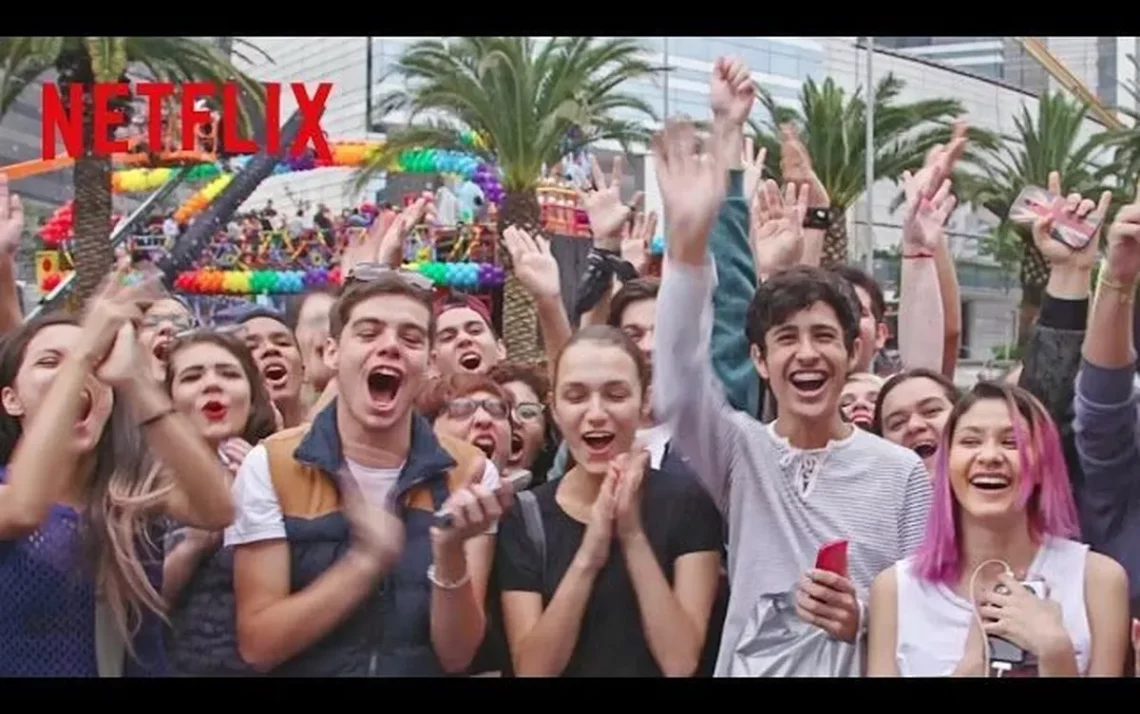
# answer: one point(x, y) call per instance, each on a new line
point(178, 322)
point(464, 408)
point(528, 411)
point(367, 272)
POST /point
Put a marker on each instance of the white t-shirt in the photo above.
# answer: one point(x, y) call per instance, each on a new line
point(259, 514)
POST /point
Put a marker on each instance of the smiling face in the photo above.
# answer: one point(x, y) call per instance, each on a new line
point(872, 333)
point(43, 357)
point(482, 419)
point(984, 463)
point(162, 321)
point(312, 335)
point(914, 414)
point(528, 434)
point(465, 343)
point(598, 402)
point(806, 363)
point(210, 388)
point(276, 355)
point(381, 359)
point(857, 401)
point(639, 321)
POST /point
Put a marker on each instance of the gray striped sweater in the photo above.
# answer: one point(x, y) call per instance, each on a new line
point(781, 503)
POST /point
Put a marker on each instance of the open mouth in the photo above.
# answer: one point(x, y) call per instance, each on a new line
point(214, 410)
point(990, 481)
point(384, 385)
point(161, 350)
point(861, 418)
point(516, 447)
point(808, 382)
point(925, 449)
point(470, 361)
point(485, 443)
point(275, 373)
point(598, 441)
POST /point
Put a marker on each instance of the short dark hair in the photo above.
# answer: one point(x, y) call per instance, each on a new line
point(796, 289)
point(948, 388)
point(859, 278)
point(633, 291)
point(296, 303)
point(390, 283)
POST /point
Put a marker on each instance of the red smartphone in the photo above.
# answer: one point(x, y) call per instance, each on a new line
point(832, 557)
point(1035, 202)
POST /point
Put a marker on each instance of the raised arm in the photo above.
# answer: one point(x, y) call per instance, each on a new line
point(11, 230)
point(921, 332)
point(609, 218)
point(1106, 403)
point(686, 393)
point(535, 267)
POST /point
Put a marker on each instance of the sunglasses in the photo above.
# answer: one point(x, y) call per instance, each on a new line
point(367, 272)
point(464, 408)
point(528, 411)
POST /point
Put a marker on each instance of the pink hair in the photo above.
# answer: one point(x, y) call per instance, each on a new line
point(1045, 489)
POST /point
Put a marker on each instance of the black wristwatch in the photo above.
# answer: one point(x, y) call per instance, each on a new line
point(818, 218)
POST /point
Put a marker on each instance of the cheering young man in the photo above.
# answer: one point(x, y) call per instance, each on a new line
point(809, 478)
point(340, 564)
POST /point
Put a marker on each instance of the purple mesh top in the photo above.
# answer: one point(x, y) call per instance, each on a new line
point(47, 605)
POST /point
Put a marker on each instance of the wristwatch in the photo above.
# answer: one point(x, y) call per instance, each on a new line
point(818, 218)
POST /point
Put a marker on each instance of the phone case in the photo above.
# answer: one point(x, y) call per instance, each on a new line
point(832, 557)
point(1035, 202)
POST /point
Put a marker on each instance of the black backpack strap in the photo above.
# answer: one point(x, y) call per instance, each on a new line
point(532, 519)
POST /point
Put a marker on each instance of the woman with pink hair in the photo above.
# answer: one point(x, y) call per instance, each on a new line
point(998, 585)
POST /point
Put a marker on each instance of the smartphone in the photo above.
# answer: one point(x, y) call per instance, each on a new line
point(1035, 202)
point(832, 557)
point(1002, 650)
point(517, 481)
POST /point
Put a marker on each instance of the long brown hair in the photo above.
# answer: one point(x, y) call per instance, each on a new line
point(261, 422)
point(118, 498)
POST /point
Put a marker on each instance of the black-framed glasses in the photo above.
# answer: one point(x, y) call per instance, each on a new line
point(367, 272)
point(528, 411)
point(465, 408)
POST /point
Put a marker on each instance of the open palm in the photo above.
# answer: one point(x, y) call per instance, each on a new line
point(777, 226)
point(533, 263)
point(925, 215)
point(603, 204)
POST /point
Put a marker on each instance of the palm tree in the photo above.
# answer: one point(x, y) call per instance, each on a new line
point(832, 126)
point(530, 104)
point(85, 60)
point(1051, 141)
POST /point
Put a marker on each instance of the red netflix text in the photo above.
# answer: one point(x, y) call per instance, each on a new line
point(188, 125)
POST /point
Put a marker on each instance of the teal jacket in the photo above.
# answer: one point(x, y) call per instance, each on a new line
point(736, 284)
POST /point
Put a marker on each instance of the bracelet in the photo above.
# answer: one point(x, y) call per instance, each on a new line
point(444, 585)
point(1125, 294)
point(916, 256)
point(156, 418)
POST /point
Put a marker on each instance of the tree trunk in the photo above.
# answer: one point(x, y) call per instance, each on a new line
point(91, 246)
point(1034, 276)
point(520, 322)
point(835, 241)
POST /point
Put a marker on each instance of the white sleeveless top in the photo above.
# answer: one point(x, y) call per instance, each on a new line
point(934, 621)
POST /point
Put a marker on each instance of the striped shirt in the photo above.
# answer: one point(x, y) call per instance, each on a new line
point(781, 503)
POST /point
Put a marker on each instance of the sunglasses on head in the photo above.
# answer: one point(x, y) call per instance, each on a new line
point(178, 322)
point(465, 407)
point(234, 330)
point(367, 272)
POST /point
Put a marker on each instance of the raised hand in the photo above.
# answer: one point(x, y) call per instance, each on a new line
point(630, 470)
point(753, 164)
point(1056, 252)
point(940, 161)
point(603, 204)
point(107, 342)
point(11, 219)
point(533, 263)
point(692, 188)
point(635, 241)
point(731, 91)
point(796, 167)
point(777, 226)
point(925, 216)
point(1123, 254)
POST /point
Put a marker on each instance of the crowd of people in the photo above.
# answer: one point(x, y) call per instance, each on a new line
point(706, 477)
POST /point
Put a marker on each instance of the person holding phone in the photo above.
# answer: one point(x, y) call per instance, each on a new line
point(998, 581)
